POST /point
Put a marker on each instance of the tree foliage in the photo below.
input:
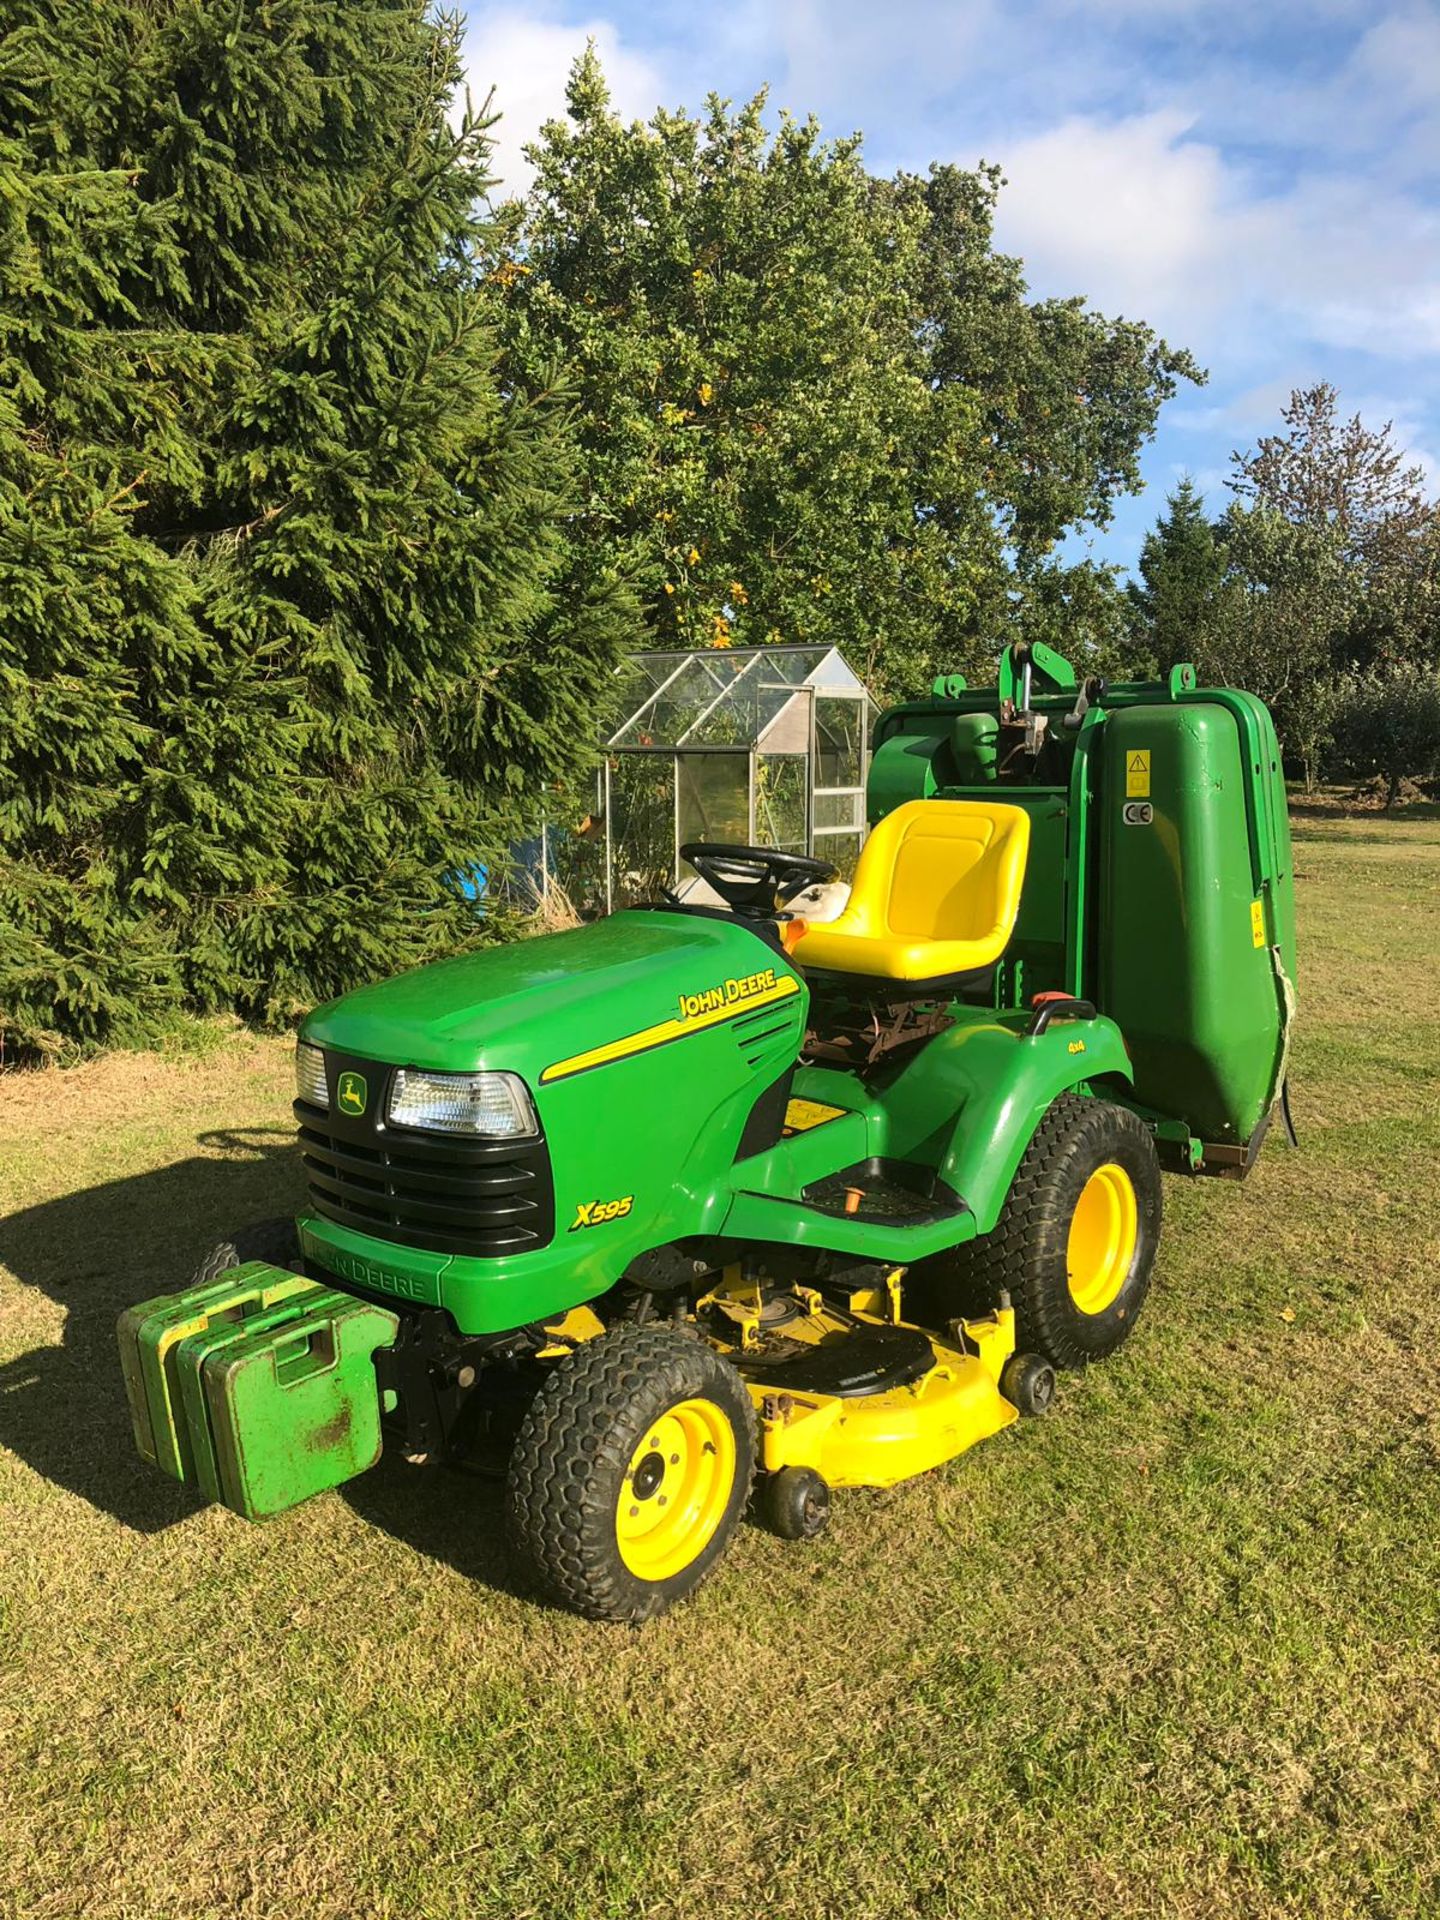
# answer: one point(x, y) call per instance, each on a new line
point(282, 635)
point(1387, 723)
point(1319, 586)
point(814, 405)
point(1175, 603)
point(1275, 626)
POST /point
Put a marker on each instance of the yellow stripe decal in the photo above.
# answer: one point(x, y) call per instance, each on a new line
point(668, 1030)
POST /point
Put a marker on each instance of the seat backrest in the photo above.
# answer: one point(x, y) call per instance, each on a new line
point(944, 870)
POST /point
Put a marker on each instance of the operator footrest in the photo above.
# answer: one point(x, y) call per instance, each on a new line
point(871, 1360)
point(884, 1192)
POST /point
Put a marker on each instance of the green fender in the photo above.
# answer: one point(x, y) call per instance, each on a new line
point(1002, 1081)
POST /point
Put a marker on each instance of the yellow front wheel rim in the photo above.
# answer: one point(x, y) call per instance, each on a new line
point(1103, 1231)
point(676, 1489)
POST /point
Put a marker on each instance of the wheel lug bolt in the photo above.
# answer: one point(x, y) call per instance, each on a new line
point(634, 1513)
point(674, 1459)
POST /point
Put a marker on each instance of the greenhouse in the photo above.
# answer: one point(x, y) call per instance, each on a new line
point(761, 745)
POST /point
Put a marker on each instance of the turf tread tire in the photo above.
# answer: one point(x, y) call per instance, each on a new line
point(274, 1241)
point(570, 1456)
point(1025, 1254)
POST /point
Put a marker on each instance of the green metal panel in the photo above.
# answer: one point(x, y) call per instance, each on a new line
point(903, 768)
point(975, 1095)
point(1183, 961)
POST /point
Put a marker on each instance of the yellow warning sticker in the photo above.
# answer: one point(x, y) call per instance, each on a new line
point(1137, 774)
point(1257, 922)
point(802, 1115)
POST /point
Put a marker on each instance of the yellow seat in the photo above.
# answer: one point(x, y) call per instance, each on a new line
point(936, 892)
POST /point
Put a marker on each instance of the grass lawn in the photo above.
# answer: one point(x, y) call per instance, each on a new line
point(1173, 1651)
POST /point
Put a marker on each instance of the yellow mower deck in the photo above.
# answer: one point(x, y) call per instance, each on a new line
point(865, 1438)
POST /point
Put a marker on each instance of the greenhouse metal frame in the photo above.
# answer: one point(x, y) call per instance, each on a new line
point(763, 745)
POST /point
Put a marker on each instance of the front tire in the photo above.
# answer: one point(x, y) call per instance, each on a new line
point(630, 1473)
point(1076, 1240)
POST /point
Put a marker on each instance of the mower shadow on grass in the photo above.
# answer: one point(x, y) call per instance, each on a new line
point(445, 1513)
point(62, 1408)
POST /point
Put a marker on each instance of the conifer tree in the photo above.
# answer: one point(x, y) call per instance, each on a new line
point(281, 637)
point(1182, 576)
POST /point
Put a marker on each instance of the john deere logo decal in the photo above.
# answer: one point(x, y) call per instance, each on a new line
point(350, 1091)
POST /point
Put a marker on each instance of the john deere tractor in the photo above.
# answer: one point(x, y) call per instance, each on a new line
point(703, 1206)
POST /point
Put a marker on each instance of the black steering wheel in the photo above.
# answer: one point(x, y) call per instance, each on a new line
point(755, 881)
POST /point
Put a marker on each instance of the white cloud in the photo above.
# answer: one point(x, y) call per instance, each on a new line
point(896, 54)
point(527, 61)
point(1130, 213)
point(1146, 220)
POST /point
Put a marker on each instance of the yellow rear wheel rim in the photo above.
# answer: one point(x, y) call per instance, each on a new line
point(676, 1489)
point(1103, 1231)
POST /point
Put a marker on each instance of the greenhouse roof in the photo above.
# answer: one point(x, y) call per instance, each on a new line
point(723, 696)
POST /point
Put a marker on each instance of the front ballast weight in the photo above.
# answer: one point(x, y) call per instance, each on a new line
point(256, 1388)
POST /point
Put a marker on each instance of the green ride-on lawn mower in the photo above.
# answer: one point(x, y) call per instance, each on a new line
point(703, 1201)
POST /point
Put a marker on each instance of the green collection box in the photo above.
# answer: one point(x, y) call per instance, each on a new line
point(258, 1388)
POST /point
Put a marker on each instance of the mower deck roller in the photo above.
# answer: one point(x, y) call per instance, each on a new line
point(696, 1197)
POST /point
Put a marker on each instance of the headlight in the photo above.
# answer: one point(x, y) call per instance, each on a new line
point(310, 1075)
point(494, 1105)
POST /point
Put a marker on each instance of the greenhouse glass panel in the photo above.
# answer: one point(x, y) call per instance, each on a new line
point(781, 785)
point(842, 848)
point(839, 736)
point(834, 810)
point(713, 798)
point(641, 826)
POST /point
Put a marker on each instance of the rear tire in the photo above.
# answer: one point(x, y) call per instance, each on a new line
point(630, 1473)
point(1076, 1241)
point(274, 1241)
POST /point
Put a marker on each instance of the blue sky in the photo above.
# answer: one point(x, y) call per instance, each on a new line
point(1260, 182)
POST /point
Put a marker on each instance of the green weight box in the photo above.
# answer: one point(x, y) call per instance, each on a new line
point(258, 1388)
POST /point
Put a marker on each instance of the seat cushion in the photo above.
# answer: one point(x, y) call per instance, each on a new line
point(936, 892)
point(891, 957)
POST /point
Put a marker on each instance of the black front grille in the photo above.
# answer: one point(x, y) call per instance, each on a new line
point(437, 1191)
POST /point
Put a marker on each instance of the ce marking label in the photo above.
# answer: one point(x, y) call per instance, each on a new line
point(1137, 813)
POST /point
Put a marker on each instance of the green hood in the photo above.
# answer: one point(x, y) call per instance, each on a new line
point(524, 1005)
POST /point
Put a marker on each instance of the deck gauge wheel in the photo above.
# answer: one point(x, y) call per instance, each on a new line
point(1028, 1383)
point(796, 1503)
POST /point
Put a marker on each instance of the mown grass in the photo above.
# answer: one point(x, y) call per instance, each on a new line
point(1175, 1650)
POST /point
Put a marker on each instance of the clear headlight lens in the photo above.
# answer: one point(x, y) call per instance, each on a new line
point(494, 1105)
point(310, 1075)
